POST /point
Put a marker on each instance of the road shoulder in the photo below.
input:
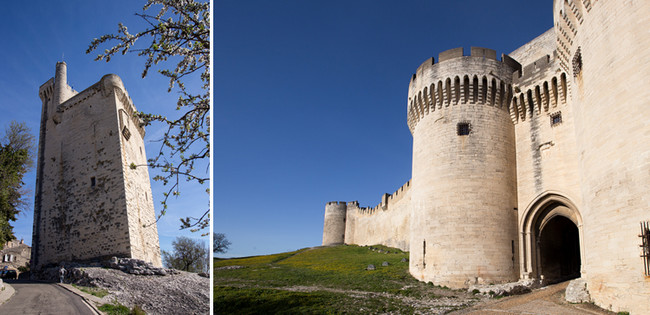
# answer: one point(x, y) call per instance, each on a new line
point(92, 301)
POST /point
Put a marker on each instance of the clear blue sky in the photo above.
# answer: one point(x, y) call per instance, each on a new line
point(37, 34)
point(310, 103)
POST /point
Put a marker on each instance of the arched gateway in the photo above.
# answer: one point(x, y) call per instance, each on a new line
point(551, 239)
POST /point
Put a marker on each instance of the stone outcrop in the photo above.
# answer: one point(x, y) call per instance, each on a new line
point(177, 292)
point(577, 292)
point(138, 267)
point(504, 289)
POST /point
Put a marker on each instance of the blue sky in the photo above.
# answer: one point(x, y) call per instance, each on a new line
point(39, 33)
point(310, 103)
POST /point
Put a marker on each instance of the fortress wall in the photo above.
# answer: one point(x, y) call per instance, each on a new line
point(610, 96)
point(463, 223)
point(537, 48)
point(546, 152)
point(386, 224)
point(139, 201)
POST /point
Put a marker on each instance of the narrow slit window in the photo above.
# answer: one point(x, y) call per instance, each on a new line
point(424, 254)
point(463, 129)
point(92, 182)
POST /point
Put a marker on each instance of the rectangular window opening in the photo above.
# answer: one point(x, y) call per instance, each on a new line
point(463, 129)
point(92, 181)
point(126, 133)
point(556, 119)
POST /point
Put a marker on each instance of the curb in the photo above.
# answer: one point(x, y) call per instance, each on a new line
point(7, 293)
point(89, 301)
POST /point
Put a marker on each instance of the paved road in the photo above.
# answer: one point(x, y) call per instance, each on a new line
point(43, 298)
point(546, 301)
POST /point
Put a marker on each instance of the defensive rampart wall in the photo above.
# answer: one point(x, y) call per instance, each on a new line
point(387, 223)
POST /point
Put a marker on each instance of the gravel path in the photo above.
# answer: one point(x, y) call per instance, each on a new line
point(545, 301)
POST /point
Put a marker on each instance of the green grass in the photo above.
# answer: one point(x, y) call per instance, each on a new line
point(112, 309)
point(100, 293)
point(229, 300)
point(337, 267)
point(270, 284)
point(119, 309)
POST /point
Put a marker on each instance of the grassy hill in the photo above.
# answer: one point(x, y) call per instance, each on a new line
point(329, 280)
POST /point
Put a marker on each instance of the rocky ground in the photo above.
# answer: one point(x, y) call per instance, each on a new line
point(156, 290)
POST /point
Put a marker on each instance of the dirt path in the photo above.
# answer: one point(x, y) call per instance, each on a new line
point(545, 301)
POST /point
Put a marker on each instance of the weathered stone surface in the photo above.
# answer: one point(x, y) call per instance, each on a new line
point(137, 267)
point(177, 293)
point(90, 203)
point(371, 267)
point(512, 288)
point(576, 291)
point(385, 263)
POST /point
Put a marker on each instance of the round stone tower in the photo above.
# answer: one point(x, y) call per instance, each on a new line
point(463, 195)
point(334, 225)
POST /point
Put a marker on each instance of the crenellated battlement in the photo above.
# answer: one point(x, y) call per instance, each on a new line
point(458, 79)
point(108, 84)
point(386, 200)
point(454, 53)
point(45, 90)
point(543, 96)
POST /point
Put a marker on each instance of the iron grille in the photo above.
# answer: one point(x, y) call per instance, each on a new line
point(645, 246)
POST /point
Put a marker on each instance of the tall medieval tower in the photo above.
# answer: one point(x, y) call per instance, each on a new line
point(91, 203)
point(463, 194)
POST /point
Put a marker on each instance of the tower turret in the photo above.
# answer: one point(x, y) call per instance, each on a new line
point(334, 224)
point(60, 83)
point(463, 195)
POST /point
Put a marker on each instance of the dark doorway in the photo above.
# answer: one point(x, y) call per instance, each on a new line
point(559, 245)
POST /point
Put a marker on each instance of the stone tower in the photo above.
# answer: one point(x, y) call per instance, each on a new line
point(334, 226)
point(91, 204)
point(463, 195)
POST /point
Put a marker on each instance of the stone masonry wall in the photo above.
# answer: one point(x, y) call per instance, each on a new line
point(387, 224)
point(139, 201)
point(605, 45)
point(81, 209)
point(463, 199)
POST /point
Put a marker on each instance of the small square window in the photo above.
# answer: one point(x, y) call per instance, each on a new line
point(463, 129)
point(556, 119)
